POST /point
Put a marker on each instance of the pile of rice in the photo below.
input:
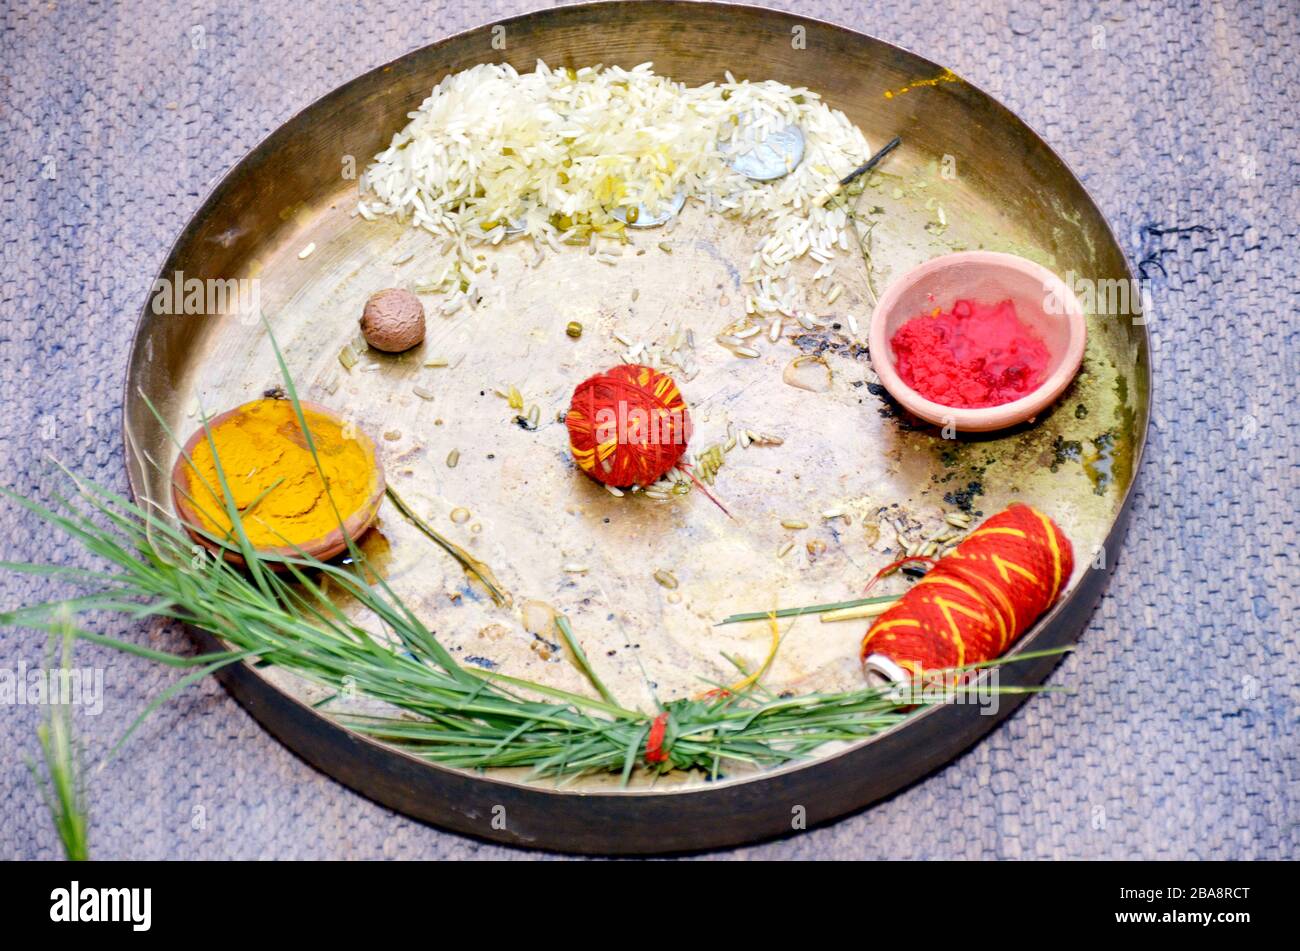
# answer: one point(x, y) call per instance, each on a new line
point(555, 152)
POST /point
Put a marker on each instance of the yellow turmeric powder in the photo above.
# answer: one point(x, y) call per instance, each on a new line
point(273, 478)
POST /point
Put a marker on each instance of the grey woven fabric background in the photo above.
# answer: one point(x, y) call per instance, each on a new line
point(1182, 742)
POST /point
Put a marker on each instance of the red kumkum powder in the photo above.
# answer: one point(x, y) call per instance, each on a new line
point(976, 355)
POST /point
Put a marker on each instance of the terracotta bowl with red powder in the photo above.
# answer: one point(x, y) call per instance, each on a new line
point(960, 342)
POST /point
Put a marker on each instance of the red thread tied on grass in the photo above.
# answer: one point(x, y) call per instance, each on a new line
point(654, 741)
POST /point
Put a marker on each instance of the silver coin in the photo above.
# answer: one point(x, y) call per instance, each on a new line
point(776, 156)
point(651, 218)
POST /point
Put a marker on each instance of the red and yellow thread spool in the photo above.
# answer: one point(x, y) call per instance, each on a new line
point(628, 425)
point(976, 601)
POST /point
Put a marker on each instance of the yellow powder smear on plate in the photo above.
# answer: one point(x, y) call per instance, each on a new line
point(262, 446)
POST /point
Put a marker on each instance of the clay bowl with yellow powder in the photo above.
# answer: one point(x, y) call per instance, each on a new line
point(275, 482)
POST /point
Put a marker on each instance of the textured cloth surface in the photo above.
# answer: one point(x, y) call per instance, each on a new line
point(1182, 742)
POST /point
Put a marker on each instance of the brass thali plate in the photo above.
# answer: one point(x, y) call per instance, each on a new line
point(1002, 188)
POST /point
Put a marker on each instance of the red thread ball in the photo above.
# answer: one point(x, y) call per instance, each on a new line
point(628, 425)
point(978, 600)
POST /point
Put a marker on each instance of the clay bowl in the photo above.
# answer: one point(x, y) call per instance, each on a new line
point(327, 546)
point(1043, 302)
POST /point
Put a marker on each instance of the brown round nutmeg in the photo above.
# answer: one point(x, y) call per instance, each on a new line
point(393, 320)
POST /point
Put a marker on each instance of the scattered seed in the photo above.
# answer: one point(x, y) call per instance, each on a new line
point(745, 352)
point(834, 294)
point(348, 357)
point(853, 324)
point(636, 292)
point(435, 364)
point(460, 515)
point(665, 247)
point(306, 252)
point(453, 457)
point(748, 332)
point(393, 435)
point(616, 492)
point(784, 549)
point(774, 332)
point(515, 398)
point(576, 569)
point(422, 393)
point(574, 329)
point(793, 524)
point(957, 519)
point(666, 579)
